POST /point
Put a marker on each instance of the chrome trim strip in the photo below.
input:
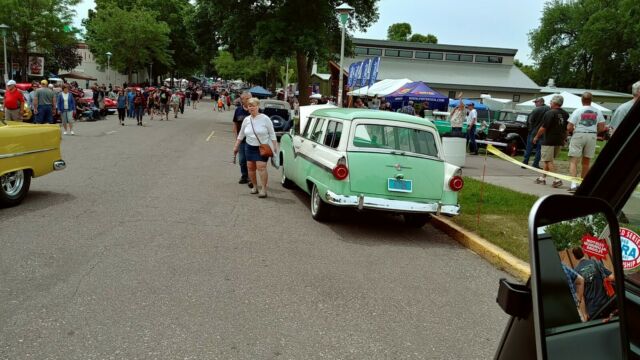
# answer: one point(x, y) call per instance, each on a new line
point(6, 156)
point(365, 202)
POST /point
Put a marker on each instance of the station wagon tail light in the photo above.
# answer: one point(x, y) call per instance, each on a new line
point(340, 172)
point(456, 183)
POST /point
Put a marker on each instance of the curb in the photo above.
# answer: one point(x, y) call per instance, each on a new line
point(490, 252)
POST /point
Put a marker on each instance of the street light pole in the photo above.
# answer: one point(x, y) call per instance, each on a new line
point(343, 10)
point(286, 82)
point(109, 66)
point(4, 29)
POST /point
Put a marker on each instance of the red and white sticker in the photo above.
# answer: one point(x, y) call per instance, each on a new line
point(630, 244)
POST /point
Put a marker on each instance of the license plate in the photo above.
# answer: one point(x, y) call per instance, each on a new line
point(399, 185)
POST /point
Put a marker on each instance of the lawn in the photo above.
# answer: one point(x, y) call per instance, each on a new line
point(503, 215)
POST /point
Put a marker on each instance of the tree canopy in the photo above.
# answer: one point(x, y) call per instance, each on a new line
point(402, 32)
point(589, 43)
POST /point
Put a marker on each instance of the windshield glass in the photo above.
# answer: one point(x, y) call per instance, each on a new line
point(510, 116)
point(395, 138)
point(629, 219)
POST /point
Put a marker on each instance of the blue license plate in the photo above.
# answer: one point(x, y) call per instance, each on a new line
point(399, 185)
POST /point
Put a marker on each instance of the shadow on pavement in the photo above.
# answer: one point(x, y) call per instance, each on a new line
point(35, 201)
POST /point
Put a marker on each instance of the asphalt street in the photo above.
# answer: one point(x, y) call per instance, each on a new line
point(146, 247)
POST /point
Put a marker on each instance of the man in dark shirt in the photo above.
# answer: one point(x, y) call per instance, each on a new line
point(594, 274)
point(533, 124)
point(239, 115)
point(554, 125)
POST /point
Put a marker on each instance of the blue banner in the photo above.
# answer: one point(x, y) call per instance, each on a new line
point(375, 65)
point(353, 72)
point(356, 79)
point(364, 76)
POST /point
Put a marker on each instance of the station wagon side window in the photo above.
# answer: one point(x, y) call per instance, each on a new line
point(334, 132)
point(308, 127)
point(316, 134)
point(395, 138)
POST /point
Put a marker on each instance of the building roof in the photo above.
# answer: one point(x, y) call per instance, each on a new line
point(322, 76)
point(438, 47)
point(461, 75)
point(352, 114)
point(604, 93)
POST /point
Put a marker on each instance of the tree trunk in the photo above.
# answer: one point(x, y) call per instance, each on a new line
point(303, 78)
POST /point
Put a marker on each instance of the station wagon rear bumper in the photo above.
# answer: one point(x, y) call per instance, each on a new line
point(374, 203)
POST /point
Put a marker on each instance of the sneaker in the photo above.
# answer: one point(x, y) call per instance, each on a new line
point(64, 133)
point(243, 180)
point(72, 133)
point(254, 190)
point(250, 185)
point(541, 181)
point(262, 194)
point(573, 189)
point(556, 183)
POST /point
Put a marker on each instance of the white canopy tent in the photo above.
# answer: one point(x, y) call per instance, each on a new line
point(571, 102)
point(381, 88)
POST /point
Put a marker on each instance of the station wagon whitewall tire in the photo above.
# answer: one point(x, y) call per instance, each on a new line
point(286, 183)
point(319, 209)
point(14, 186)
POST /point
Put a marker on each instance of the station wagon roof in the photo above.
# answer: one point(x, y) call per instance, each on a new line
point(353, 114)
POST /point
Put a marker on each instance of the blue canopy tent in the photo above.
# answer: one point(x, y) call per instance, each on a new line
point(418, 91)
point(477, 104)
point(259, 92)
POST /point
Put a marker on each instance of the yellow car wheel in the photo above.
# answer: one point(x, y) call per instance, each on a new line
point(14, 186)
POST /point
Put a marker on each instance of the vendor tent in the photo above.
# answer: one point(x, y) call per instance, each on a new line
point(259, 92)
point(418, 91)
point(381, 88)
point(571, 102)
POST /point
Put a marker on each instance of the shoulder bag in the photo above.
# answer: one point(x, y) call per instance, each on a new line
point(265, 149)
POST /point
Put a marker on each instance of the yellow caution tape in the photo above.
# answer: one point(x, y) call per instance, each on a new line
point(492, 149)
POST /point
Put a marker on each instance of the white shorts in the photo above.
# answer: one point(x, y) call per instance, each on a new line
point(582, 145)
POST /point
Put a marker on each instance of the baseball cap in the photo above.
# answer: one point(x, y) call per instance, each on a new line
point(44, 82)
point(11, 82)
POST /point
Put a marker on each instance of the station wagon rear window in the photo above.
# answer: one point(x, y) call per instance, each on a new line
point(395, 138)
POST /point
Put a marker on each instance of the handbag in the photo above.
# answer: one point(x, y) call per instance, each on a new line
point(265, 149)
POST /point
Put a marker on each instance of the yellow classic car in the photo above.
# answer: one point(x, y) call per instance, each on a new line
point(26, 151)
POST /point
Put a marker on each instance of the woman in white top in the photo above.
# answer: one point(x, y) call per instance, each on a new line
point(257, 129)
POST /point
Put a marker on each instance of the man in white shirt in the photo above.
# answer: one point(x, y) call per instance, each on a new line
point(472, 121)
point(585, 123)
point(622, 110)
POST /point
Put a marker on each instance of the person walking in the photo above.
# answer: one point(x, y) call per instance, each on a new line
point(533, 124)
point(182, 101)
point(132, 108)
point(164, 103)
point(239, 115)
point(585, 123)
point(457, 119)
point(553, 128)
point(44, 105)
point(13, 102)
point(257, 129)
point(140, 104)
point(594, 274)
point(66, 105)
point(175, 104)
point(472, 121)
point(151, 104)
point(121, 105)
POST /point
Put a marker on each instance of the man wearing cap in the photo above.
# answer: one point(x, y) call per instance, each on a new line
point(43, 104)
point(534, 120)
point(472, 121)
point(13, 101)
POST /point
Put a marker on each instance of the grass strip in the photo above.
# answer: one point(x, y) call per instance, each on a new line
point(503, 216)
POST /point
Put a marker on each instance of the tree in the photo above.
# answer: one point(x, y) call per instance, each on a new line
point(62, 57)
point(135, 37)
point(582, 43)
point(429, 38)
point(529, 70)
point(399, 32)
point(37, 26)
point(568, 234)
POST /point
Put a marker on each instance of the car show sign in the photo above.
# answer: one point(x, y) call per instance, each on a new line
point(630, 244)
point(36, 66)
point(594, 247)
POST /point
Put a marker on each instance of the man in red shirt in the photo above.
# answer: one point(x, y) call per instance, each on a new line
point(13, 101)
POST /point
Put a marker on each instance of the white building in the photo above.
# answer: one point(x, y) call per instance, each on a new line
point(90, 67)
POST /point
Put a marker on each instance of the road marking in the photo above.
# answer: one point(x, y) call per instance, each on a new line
point(111, 132)
point(210, 135)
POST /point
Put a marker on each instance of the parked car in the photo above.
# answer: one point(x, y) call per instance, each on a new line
point(109, 104)
point(280, 114)
point(27, 115)
point(510, 130)
point(26, 151)
point(370, 160)
point(442, 121)
point(544, 322)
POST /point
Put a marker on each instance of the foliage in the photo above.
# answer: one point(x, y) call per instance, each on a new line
point(568, 234)
point(62, 57)
point(529, 70)
point(583, 43)
point(36, 26)
point(135, 37)
point(399, 32)
point(429, 38)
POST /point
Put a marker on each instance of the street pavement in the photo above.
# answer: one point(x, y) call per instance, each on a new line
point(146, 247)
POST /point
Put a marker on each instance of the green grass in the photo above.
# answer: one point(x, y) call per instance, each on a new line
point(503, 215)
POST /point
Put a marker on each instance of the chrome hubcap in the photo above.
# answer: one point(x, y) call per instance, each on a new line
point(284, 178)
point(12, 183)
point(315, 200)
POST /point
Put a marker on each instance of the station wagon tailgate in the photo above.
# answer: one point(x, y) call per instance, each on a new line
point(395, 161)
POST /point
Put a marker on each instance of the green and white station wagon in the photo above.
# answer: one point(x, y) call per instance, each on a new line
point(370, 159)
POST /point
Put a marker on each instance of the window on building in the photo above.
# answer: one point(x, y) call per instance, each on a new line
point(452, 94)
point(393, 53)
point(374, 51)
point(459, 57)
point(516, 98)
point(405, 54)
point(436, 56)
point(464, 57)
point(360, 51)
point(489, 59)
point(422, 55)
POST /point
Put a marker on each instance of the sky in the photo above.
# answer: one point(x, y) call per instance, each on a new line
point(491, 23)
